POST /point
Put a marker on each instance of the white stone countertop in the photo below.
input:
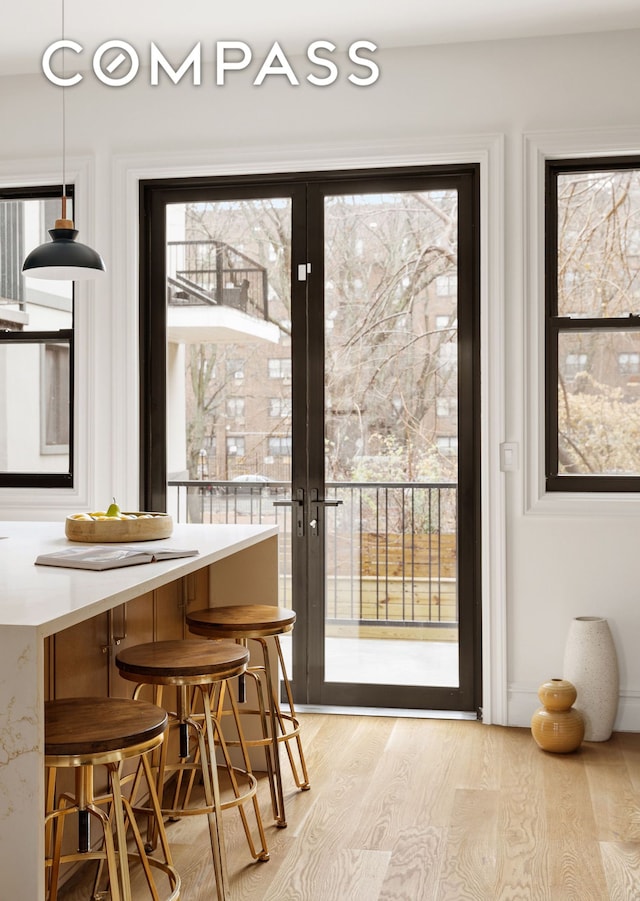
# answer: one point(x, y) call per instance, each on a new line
point(51, 598)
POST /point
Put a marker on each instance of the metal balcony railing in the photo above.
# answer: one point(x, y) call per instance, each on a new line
point(390, 547)
point(212, 273)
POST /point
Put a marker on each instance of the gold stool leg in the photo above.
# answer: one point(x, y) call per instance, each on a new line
point(281, 819)
point(83, 804)
point(184, 720)
point(212, 798)
point(121, 832)
point(251, 792)
point(154, 813)
point(265, 742)
point(302, 783)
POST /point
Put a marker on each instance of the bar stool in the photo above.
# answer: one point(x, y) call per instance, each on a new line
point(199, 671)
point(259, 622)
point(83, 733)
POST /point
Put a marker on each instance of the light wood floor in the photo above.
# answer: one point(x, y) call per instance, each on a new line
point(436, 810)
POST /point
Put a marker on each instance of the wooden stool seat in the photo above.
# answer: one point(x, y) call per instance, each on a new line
point(242, 621)
point(176, 661)
point(199, 671)
point(259, 622)
point(92, 728)
point(83, 733)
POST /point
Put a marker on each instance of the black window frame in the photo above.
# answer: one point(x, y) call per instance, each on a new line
point(44, 479)
point(61, 479)
point(556, 325)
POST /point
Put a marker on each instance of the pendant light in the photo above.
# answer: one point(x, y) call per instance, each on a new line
point(64, 258)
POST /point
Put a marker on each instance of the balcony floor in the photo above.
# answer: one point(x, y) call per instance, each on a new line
point(405, 662)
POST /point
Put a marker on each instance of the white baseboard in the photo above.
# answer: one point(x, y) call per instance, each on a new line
point(523, 701)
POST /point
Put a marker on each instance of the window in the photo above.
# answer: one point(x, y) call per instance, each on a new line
point(575, 363)
point(592, 325)
point(36, 349)
point(447, 444)
point(279, 368)
point(447, 285)
point(629, 363)
point(443, 321)
point(446, 406)
point(280, 446)
point(448, 355)
point(280, 407)
point(235, 446)
point(54, 391)
point(235, 369)
point(235, 407)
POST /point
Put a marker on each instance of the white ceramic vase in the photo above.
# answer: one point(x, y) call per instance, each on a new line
point(591, 664)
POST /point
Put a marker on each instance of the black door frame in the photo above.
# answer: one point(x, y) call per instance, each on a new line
point(308, 380)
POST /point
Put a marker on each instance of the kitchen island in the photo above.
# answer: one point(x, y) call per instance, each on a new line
point(39, 601)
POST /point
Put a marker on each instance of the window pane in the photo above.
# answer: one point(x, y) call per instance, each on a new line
point(599, 403)
point(30, 304)
point(36, 318)
point(391, 381)
point(229, 318)
point(391, 374)
point(598, 220)
point(55, 394)
point(34, 406)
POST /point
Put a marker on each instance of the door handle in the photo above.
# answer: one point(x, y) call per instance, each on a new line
point(297, 504)
point(318, 503)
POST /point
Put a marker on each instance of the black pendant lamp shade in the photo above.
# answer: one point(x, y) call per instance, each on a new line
point(64, 258)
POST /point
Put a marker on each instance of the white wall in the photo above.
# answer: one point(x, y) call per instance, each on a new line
point(560, 558)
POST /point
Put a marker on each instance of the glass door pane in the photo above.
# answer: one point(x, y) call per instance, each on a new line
point(228, 434)
point(391, 438)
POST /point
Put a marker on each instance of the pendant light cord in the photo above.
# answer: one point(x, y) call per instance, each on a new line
point(64, 124)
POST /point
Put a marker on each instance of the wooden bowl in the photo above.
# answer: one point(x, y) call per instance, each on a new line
point(99, 531)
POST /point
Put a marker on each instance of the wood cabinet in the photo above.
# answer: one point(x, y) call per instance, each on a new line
point(80, 660)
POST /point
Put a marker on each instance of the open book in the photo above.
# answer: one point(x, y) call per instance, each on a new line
point(109, 557)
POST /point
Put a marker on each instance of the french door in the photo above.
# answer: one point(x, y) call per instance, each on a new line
point(321, 334)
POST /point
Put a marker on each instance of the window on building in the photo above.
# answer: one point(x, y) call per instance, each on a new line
point(235, 407)
point(592, 325)
point(446, 406)
point(280, 407)
point(54, 391)
point(629, 363)
point(235, 445)
point(443, 321)
point(280, 446)
point(575, 363)
point(447, 285)
point(235, 368)
point(447, 444)
point(36, 349)
point(279, 368)
point(448, 355)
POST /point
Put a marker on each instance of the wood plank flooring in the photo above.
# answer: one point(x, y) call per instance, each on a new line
point(434, 810)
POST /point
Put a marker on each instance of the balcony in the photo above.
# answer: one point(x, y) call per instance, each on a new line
point(391, 557)
point(216, 294)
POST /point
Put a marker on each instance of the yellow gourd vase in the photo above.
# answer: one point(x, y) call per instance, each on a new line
point(557, 726)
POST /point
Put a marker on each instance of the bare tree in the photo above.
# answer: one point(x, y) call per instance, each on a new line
point(386, 362)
